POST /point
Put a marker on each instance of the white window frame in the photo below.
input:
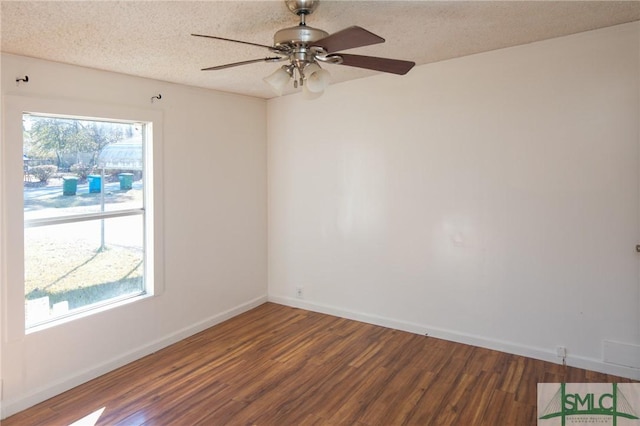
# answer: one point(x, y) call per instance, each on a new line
point(13, 298)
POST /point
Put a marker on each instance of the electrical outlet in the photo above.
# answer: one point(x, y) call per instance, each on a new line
point(299, 292)
point(561, 352)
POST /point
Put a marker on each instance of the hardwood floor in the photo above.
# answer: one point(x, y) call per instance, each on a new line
point(276, 365)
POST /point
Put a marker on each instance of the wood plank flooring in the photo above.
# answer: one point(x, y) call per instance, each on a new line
point(276, 365)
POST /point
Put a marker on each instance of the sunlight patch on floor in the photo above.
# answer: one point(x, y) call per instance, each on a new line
point(90, 419)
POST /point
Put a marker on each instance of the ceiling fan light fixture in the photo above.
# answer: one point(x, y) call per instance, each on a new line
point(279, 79)
point(309, 95)
point(316, 79)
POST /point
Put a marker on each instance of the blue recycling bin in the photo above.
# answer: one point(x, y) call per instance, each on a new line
point(95, 182)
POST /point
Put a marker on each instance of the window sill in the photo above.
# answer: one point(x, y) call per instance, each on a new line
point(86, 313)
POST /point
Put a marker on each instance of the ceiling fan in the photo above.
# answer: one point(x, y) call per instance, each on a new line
point(305, 47)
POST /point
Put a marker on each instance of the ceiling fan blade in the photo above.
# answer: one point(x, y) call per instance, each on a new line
point(230, 39)
point(250, 61)
point(394, 66)
point(348, 38)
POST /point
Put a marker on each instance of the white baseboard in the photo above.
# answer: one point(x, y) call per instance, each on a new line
point(458, 337)
point(23, 402)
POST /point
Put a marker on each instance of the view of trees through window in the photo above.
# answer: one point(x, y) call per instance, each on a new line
point(83, 214)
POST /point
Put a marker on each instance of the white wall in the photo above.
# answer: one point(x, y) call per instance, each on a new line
point(215, 226)
point(491, 199)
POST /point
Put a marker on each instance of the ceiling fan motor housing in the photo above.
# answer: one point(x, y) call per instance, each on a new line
point(296, 42)
point(298, 36)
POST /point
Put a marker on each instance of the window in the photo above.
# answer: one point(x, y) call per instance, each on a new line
point(89, 240)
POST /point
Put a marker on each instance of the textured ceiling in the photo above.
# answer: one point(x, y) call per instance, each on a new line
point(152, 38)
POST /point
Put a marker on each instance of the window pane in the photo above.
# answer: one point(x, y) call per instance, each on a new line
point(74, 166)
point(72, 266)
